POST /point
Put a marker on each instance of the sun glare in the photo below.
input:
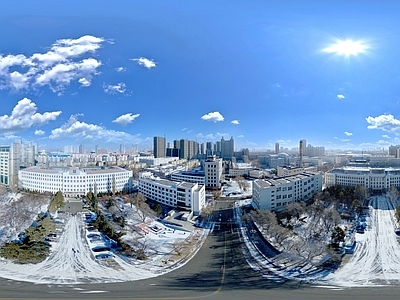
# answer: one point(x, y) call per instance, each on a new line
point(347, 48)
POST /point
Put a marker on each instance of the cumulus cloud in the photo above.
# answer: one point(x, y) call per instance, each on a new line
point(213, 116)
point(125, 119)
point(81, 131)
point(39, 132)
point(386, 122)
point(386, 136)
point(145, 62)
point(23, 116)
point(240, 136)
point(120, 69)
point(119, 88)
point(56, 68)
point(348, 133)
point(235, 122)
point(341, 96)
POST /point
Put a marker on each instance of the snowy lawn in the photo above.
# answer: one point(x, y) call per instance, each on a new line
point(73, 254)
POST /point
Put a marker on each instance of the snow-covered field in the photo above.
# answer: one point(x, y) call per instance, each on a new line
point(72, 259)
point(376, 260)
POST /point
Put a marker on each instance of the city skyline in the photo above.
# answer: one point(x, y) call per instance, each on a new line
point(262, 73)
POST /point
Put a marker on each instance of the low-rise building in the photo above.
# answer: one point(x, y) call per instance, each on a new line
point(375, 179)
point(194, 176)
point(184, 195)
point(277, 193)
point(74, 182)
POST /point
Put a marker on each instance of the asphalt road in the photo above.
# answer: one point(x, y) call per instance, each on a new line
point(218, 271)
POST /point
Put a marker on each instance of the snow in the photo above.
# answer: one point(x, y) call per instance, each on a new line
point(232, 189)
point(73, 261)
point(376, 260)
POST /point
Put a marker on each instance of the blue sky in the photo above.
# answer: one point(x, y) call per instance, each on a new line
point(112, 72)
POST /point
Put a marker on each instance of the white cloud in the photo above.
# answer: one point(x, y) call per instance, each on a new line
point(240, 136)
point(145, 62)
point(340, 96)
point(235, 122)
point(23, 116)
point(284, 142)
point(81, 131)
point(348, 133)
point(56, 68)
point(385, 122)
point(39, 132)
point(114, 89)
point(213, 116)
point(120, 69)
point(126, 119)
point(386, 136)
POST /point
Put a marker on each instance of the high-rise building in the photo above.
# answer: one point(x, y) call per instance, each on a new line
point(276, 148)
point(302, 146)
point(9, 165)
point(209, 148)
point(159, 146)
point(227, 148)
point(213, 172)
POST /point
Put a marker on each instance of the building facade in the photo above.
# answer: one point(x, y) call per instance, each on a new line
point(194, 176)
point(277, 193)
point(182, 195)
point(75, 182)
point(374, 179)
point(9, 165)
point(159, 146)
point(213, 172)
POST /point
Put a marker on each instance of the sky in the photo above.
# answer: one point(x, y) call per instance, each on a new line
point(109, 73)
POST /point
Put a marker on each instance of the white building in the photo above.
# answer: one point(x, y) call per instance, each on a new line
point(275, 194)
point(213, 172)
point(175, 194)
point(375, 179)
point(9, 165)
point(75, 182)
point(193, 176)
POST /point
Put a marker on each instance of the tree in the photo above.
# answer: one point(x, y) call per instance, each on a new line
point(216, 194)
point(361, 192)
point(397, 214)
point(394, 194)
point(356, 205)
point(338, 236)
point(57, 202)
point(142, 209)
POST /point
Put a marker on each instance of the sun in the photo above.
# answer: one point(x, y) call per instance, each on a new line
point(347, 48)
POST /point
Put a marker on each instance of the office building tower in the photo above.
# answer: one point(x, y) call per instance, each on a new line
point(159, 146)
point(227, 149)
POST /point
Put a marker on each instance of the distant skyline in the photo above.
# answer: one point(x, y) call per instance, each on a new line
point(96, 73)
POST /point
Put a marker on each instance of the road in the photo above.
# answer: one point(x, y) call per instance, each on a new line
point(218, 271)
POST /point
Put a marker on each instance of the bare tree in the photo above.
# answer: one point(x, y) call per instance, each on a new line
point(141, 208)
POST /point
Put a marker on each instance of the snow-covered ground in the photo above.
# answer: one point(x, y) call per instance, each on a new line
point(376, 260)
point(232, 189)
point(72, 259)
